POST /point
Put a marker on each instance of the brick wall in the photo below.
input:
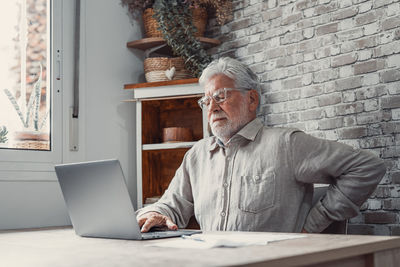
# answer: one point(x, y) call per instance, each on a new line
point(332, 69)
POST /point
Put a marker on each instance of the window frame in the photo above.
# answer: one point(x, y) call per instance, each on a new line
point(13, 160)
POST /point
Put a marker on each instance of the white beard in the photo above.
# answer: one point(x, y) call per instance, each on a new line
point(225, 129)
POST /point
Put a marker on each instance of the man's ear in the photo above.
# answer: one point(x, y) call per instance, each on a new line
point(254, 100)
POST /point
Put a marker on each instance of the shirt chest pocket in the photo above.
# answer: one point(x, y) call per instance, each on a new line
point(257, 192)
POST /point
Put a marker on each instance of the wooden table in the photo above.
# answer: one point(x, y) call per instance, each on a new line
point(61, 247)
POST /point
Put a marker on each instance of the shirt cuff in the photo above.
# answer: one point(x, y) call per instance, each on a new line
point(317, 220)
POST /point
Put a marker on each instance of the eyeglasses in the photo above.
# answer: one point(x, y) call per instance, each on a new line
point(219, 96)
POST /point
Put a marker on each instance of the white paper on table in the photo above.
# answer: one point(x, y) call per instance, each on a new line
point(233, 239)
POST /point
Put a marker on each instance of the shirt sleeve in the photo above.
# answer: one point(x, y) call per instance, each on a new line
point(352, 174)
point(177, 200)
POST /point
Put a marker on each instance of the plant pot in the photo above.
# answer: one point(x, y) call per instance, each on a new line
point(32, 140)
point(151, 24)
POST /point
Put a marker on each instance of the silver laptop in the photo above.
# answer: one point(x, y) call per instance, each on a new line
point(98, 202)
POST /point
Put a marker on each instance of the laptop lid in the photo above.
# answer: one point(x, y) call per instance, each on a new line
point(97, 199)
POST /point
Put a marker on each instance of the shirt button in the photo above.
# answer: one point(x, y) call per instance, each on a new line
point(228, 158)
point(223, 214)
point(225, 184)
point(257, 177)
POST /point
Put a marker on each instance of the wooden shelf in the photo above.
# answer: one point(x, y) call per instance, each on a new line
point(168, 145)
point(148, 43)
point(157, 84)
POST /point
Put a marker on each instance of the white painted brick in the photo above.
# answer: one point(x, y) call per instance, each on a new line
point(396, 114)
point(308, 33)
point(393, 9)
point(308, 12)
point(346, 71)
point(346, 24)
point(270, 64)
point(272, 3)
point(254, 38)
point(348, 96)
point(371, 105)
point(331, 135)
point(387, 37)
point(359, 218)
point(276, 86)
point(307, 79)
point(321, 2)
point(278, 108)
point(371, 28)
point(274, 42)
point(311, 103)
point(351, 142)
point(311, 125)
point(345, 3)
point(379, 3)
point(309, 56)
point(393, 61)
point(330, 111)
point(330, 87)
point(364, 55)
point(371, 79)
point(335, 50)
point(374, 204)
point(349, 121)
point(393, 88)
point(364, 7)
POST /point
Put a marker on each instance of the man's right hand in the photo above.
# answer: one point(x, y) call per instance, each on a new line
point(151, 219)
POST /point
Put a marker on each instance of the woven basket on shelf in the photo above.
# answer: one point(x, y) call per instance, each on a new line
point(157, 69)
point(151, 24)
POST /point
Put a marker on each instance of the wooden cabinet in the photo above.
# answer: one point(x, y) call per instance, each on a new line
point(168, 104)
point(160, 105)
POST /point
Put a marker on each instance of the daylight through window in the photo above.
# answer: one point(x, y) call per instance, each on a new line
point(24, 76)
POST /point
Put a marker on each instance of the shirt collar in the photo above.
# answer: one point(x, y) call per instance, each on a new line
point(249, 131)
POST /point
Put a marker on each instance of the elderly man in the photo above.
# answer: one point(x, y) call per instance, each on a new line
point(249, 177)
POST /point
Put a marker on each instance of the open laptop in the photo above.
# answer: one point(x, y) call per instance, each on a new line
point(98, 202)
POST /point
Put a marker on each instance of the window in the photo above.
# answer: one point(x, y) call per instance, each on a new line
point(30, 99)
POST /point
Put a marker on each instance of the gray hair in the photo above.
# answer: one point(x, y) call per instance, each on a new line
point(241, 74)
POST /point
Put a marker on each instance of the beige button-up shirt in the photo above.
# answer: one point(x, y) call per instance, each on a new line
point(262, 180)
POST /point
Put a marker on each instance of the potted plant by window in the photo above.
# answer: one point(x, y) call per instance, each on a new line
point(31, 136)
point(179, 22)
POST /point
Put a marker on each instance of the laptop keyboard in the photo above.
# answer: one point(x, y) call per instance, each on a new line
point(160, 234)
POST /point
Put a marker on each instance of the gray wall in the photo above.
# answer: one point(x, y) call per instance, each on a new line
point(107, 125)
point(332, 69)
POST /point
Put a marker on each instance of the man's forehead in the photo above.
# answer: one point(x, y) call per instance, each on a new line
point(218, 81)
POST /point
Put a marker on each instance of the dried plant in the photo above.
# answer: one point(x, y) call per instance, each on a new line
point(136, 7)
point(175, 21)
point(175, 18)
point(33, 106)
point(223, 9)
point(3, 134)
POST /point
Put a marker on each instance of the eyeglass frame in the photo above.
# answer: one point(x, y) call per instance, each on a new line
point(225, 90)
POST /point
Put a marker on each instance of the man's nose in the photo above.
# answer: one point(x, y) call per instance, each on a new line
point(213, 106)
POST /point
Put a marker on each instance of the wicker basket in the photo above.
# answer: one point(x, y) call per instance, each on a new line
point(151, 24)
point(156, 69)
